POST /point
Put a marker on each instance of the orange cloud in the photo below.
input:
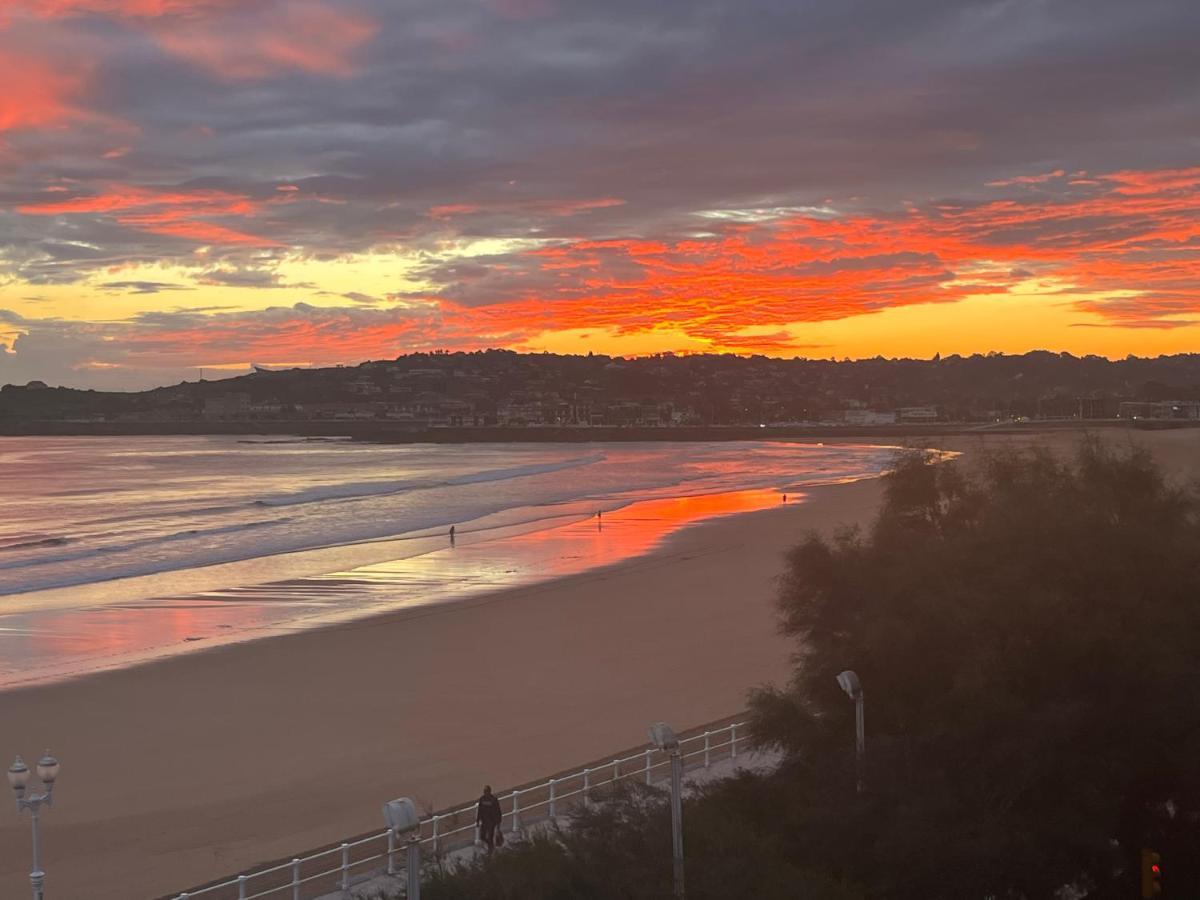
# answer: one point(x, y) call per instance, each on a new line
point(298, 333)
point(571, 207)
point(179, 214)
point(1135, 233)
point(235, 40)
point(449, 210)
point(35, 94)
point(311, 37)
point(119, 8)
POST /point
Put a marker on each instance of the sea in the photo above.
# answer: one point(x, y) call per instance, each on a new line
point(116, 550)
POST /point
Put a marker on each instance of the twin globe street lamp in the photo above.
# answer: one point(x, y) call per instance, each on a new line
point(18, 778)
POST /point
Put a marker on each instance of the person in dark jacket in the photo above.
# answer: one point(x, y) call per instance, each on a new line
point(488, 818)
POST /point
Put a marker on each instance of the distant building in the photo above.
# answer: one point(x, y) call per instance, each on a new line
point(1160, 409)
point(917, 414)
point(868, 417)
point(265, 408)
point(227, 406)
point(365, 387)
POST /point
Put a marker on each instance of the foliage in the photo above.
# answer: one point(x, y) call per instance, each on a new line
point(1026, 636)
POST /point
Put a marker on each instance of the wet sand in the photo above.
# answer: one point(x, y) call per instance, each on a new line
point(185, 769)
point(194, 767)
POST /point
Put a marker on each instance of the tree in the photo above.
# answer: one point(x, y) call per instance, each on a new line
point(1026, 635)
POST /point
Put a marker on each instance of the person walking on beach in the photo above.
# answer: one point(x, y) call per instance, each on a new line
point(451, 535)
point(488, 817)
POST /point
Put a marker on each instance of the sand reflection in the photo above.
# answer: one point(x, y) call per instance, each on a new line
point(42, 645)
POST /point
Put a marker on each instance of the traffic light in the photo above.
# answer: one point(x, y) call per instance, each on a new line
point(1151, 874)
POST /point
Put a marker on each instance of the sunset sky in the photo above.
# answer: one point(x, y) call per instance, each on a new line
point(215, 183)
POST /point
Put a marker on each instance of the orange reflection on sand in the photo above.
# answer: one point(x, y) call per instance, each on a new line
point(479, 563)
point(49, 644)
point(633, 530)
point(68, 640)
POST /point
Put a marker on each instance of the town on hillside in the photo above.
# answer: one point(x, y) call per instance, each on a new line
point(501, 388)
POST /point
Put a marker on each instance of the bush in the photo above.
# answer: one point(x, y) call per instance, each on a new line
point(1026, 636)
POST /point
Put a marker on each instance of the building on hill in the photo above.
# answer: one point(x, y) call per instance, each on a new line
point(227, 406)
point(1160, 409)
point(917, 414)
point(868, 417)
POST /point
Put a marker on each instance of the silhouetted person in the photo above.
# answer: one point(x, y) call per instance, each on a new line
point(451, 535)
point(488, 817)
point(785, 498)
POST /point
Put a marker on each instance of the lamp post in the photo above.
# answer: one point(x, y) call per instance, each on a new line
point(401, 817)
point(848, 681)
point(663, 737)
point(18, 778)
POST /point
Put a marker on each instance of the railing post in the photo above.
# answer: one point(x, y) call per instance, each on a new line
point(435, 835)
point(345, 867)
point(296, 879)
point(241, 887)
point(707, 747)
point(552, 783)
point(648, 752)
point(391, 852)
point(516, 822)
point(616, 771)
point(587, 787)
point(733, 741)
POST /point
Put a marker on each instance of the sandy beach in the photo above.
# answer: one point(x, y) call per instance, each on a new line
point(185, 769)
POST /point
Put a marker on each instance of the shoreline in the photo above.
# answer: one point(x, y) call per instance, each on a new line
point(180, 611)
point(382, 432)
point(426, 702)
point(363, 582)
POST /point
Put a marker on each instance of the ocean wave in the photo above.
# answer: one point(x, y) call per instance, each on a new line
point(93, 552)
point(285, 505)
point(367, 489)
point(30, 541)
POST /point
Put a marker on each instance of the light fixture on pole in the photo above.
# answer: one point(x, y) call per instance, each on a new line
point(663, 737)
point(848, 681)
point(18, 778)
point(401, 817)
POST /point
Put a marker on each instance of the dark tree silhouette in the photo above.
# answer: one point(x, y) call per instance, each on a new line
point(1026, 634)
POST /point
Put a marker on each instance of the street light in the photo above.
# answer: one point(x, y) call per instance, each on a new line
point(18, 778)
point(848, 681)
point(663, 737)
point(401, 817)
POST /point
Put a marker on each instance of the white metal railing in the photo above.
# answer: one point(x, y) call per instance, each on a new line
point(340, 867)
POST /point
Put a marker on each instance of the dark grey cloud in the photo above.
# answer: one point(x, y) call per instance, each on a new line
point(674, 106)
point(143, 287)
